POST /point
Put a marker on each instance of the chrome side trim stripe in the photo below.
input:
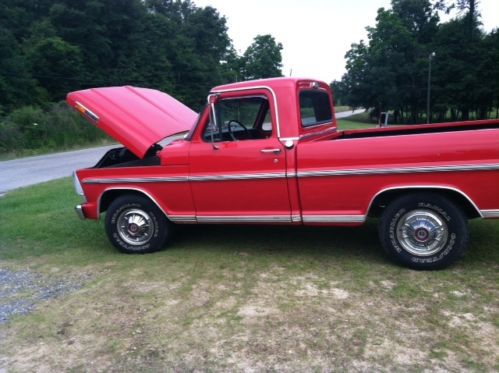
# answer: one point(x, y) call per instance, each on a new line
point(271, 175)
point(245, 219)
point(176, 179)
point(126, 180)
point(301, 174)
point(334, 218)
point(206, 219)
point(399, 170)
point(490, 214)
point(186, 219)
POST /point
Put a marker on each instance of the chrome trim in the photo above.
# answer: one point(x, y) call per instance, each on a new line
point(441, 187)
point(274, 97)
point(334, 218)
point(490, 214)
point(174, 179)
point(79, 212)
point(183, 219)
point(237, 98)
point(129, 188)
point(400, 170)
point(422, 232)
point(278, 175)
point(245, 219)
point(295, 218)
point(135, 226)
point(269, 175)
point(274, 151)
point(319, 133)
point(77, 184)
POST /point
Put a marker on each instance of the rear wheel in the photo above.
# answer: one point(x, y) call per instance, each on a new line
point(135, 225)
point(423, 231)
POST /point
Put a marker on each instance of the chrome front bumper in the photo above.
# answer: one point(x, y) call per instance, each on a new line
point(79, 212)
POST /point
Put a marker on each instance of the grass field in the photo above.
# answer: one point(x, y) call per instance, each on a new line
point(357, 121)
point(241, 298)
point(339, 109)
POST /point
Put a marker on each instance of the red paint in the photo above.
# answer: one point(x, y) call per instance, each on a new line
point(138, 118)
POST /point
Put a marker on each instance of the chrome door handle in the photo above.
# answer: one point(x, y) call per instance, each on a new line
point(274, 151)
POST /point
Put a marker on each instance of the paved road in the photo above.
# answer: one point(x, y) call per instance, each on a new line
point(345, 114)
point(23, 172)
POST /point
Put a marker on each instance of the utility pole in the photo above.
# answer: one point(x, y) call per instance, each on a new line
point(428, 91)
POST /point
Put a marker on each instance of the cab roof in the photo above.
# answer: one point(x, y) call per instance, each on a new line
point(284, 82)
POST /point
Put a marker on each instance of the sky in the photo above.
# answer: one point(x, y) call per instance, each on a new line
point(315, 34)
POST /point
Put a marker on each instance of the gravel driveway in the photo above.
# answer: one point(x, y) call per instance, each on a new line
point(20, 291)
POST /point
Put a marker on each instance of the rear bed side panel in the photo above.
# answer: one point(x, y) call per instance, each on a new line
point(340, 177)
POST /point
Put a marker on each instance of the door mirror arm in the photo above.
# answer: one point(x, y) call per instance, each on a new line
point(213, 120)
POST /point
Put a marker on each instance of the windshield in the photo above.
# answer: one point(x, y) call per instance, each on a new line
point(167, 140)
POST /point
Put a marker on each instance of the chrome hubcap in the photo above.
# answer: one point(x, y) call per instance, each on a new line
point(422, 232)
point(135, 227)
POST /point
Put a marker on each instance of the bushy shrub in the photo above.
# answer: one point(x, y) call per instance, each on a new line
point(57, 127)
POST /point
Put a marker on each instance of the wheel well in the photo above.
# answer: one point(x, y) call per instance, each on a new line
point(384, 198)
point(110, 195)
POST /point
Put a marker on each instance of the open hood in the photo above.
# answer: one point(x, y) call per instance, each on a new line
point(136, 117)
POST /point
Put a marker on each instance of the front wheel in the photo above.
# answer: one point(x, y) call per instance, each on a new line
point(135, 225)
point(423, 231)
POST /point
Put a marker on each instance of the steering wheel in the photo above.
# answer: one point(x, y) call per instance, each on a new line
point(229, 127)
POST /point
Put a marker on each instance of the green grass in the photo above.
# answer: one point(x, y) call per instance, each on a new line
point(235, 298)
point(357, 121)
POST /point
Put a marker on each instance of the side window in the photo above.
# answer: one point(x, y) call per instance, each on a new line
point(245, 118)
point(315, 108)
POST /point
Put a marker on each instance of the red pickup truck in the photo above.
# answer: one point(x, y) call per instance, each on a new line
point(269, 152)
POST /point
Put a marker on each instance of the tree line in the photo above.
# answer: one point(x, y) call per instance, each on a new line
point(51, 47)
point(390, 71)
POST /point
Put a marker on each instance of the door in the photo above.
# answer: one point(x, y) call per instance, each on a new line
point(238, 165)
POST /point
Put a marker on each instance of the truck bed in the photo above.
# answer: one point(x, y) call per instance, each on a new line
point(418, 129)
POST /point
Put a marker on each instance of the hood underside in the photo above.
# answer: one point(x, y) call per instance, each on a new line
point(136, 117)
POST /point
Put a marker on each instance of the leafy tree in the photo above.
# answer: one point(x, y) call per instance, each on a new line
point(15, 79)
point(54, 54)
point(390, 71)
point(50, 47)
point(262, 59)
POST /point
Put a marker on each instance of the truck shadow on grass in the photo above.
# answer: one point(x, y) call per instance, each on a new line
point(281, 240)
point(328, 243)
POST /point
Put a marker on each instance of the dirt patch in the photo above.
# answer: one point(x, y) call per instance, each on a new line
point(253, 319)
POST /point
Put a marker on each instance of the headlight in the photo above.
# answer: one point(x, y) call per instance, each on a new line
point(77, 185)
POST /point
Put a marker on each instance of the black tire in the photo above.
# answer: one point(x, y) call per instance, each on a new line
point(438, 231)
point(135, 225)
